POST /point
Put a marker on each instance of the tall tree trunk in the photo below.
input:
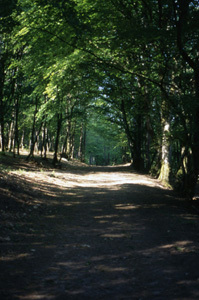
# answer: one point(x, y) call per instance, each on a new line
point(32, 142)
point(0, 137)
point(16, 136)
point(165, 164)
point(45, 141)
point(127, 130)
point(182, 10)
point(68, 138)
point(165, 143)
point(196, 131)
point(149, 137)
point(2, 78)
point(44, 145)
point(137, 158)
point(80, 150)
point(10, 136)
point(82, 143)
point(73, 141)
point(22, 140)
point(195, 147)
point(59, 124)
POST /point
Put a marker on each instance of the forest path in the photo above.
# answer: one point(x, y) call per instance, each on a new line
point(95, 233)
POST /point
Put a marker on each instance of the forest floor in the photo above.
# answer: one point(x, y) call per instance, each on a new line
point(84, 232)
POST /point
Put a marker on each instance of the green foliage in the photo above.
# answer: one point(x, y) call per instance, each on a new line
point(105, 142)
point(113, 71)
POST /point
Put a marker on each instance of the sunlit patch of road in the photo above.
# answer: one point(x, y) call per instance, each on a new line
point(110, 179)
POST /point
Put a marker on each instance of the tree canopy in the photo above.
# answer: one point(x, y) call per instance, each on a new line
point(103, 81)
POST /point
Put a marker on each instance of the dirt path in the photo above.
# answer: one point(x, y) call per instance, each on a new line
point(95, 233)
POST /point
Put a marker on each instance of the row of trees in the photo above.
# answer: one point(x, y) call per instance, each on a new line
point(48, 97)
point(123, 72)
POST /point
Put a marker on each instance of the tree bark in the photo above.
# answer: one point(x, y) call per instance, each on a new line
point(165, 164)
point(127, 129)
point(22, 140)
point(183, 12)
point(16, 136)
point(2, 78)
point(195, 148)
point(44, 141)
point(137, 157)
point(32, 142)
point(80, 150)
point(59, 124)
point(10, 136)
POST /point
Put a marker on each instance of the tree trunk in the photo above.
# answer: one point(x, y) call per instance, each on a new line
point(137, 157)
point(59, 124)
point(10, 136)
point(22, 140)
point(64, 145)
point(148, 156)
point(46, 146)
point(37, 142)
point(195, 148)
point(2, 78)
point(32, 142)
point(84, 145)
point(80, 150)
point(44, 141)
point(68, 139)
point(0, 137)
point(182, 10)
point(73, 141)
point(165, 165)
point(127, 129)
point(16, 136)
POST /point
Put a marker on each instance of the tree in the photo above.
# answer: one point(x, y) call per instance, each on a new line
point(135, 62)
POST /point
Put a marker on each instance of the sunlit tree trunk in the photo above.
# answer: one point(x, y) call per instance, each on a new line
point(46, 146)
point(44, 141)
point(37, 142)
point(16, 135)
point(22, 140)
point(10, 136)
point(165, 164)
point(68, 138)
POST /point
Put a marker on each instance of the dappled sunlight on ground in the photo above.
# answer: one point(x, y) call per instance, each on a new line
point(36, 296)
point(175, 248)
point(14, 257)
point(66, 179)
point(126, 206)
point(91, 234)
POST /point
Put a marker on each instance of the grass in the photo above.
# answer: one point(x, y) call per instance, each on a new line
point(5, 169)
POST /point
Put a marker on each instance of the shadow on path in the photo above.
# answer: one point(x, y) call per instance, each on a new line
point(101, 233)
